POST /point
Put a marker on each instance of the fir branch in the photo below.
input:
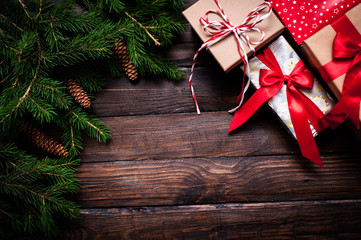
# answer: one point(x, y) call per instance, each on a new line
point(19, 28)
point(145, 29)
point(42, 44)
point(52, 30)
point(28, 57)
point(21, 100)
point(87, 122)
point(40, 109)
point(93, 126)
point(10, 216)
point(11, 48)
point(26, 9)
point(145, 7)
point(23, 172)
point(2, 81)
point(72, 145)
point(39, 195)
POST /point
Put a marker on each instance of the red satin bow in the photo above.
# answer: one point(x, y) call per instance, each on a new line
point(347, 48)
point(302, 110)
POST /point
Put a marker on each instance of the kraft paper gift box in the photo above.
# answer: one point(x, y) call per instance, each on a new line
point(319, 50)
point(226, 51)
point(303, 18)
point(287, 73)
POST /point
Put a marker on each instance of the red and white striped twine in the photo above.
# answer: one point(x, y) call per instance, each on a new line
point(220, 30)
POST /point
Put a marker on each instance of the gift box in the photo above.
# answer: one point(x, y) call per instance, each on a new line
point(326, 51)
point(226, 50)
point(300, 101)
point(304, 18)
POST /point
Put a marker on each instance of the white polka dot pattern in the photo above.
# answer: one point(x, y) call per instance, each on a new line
point(305, 17)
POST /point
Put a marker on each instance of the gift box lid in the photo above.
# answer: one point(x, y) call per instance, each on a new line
point(225, 51)
point(304, 18)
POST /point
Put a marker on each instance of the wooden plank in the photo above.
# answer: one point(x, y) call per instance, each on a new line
point(181, 52)
point(215, 90)
point(279, 220)
point(184, 47)
point(190, 135)
point(215, 180)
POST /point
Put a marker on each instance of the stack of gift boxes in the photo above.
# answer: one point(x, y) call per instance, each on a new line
point(246, 33)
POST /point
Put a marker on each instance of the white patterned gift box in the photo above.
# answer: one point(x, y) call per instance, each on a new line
point(287, 59)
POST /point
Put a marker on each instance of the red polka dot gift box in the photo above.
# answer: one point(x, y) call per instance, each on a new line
point(303, 18)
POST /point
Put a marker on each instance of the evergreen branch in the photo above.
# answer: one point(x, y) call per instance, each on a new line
point(44, 86)
point(42, 197)
point(79, 49)
point(42, 44)
point(113, 33)
point(11, 48)
point(53, 174)
point(135, 51)
point(52, 91)
point(21, 100)
point(87, 122)
point(22, 171)
point(52, 30)
point(72, 137)
point(40, 107)
point(155, 27)
point(145, 29)
point(20, 52)
point(63, 164)
point(146, 6)
point(2, 81)
point(10, 216)
point(55, 189)
point(7, 35)
point(40, 5)
point(1, 15)
point(25, 59)
point(15, 166)
point(16, 82)
point(26, 11)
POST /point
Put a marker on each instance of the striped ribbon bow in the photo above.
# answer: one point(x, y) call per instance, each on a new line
point(220, 30)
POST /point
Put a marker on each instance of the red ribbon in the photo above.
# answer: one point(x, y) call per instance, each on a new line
point(302, 110)
point(347, 53)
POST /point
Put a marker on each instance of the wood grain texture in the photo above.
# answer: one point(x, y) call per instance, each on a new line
point(279, 220)
point(215, 92)
point(215, 180)
point(168, 173)
point(190, 135)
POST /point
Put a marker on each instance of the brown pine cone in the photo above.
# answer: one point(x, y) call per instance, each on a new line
point(78, 93)
point(122, 53)
point(42, 141)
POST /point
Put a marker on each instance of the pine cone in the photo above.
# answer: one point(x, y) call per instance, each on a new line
point(44, 142)
point(122, 53)
point(78, 93)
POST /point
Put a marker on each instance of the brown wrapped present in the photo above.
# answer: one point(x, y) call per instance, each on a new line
point(335, 52)
point(226, 50)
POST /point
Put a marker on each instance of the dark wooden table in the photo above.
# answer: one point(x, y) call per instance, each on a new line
point(169, 173)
